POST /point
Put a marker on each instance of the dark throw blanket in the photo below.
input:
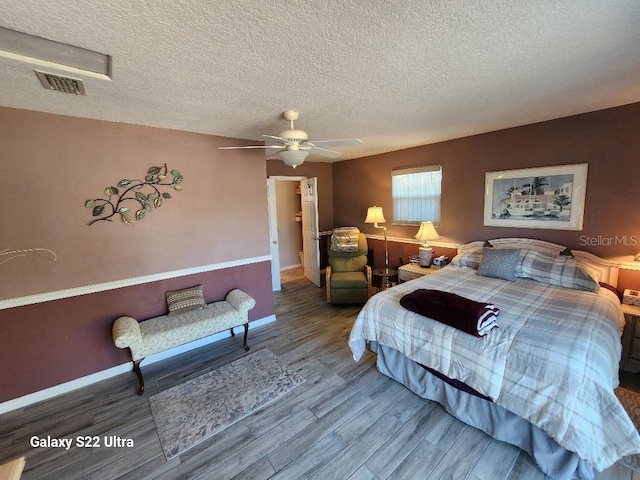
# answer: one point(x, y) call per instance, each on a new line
point(469, 316)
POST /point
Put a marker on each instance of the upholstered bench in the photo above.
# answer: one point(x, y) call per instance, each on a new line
point(180, 327)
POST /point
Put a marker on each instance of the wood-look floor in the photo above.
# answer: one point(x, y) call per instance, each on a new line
point(347, 421)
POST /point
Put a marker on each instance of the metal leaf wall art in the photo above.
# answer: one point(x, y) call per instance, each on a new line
point(134, 199)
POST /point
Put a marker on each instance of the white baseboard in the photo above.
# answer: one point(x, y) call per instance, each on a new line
point(56, 390)
point(290, 267)
point(67, 387)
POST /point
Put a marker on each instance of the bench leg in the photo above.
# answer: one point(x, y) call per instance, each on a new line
point(246, 334)
point(136, 368)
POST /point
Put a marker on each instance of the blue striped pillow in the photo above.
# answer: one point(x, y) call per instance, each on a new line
point(562, 271)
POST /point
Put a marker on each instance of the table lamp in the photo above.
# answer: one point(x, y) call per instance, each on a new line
point(375, 216)
point(427, 232)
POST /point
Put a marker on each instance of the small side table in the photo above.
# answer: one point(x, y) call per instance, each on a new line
point(410, 271)
point(386, 276)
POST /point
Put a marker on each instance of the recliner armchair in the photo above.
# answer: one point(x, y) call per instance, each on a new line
point(348, 277)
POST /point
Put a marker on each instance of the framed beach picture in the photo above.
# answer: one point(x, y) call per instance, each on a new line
point(543, 197)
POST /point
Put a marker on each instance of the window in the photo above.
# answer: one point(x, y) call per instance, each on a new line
point(416, 195)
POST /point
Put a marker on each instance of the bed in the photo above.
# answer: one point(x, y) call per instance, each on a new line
point(544, 379)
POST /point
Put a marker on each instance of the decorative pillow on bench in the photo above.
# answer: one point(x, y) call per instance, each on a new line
point(180, 301)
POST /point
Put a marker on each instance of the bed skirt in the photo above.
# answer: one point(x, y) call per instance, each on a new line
point(484, 415)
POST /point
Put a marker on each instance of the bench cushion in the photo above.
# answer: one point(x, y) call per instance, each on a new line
point(162, 333)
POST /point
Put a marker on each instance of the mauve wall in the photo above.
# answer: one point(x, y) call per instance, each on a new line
point(54, 342)
point(324, 173)
point(51, 165)
point(608, 140)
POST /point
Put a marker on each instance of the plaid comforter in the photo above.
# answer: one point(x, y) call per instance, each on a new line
point(553, 360)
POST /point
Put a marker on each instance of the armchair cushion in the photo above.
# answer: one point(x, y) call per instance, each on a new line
point(343, 264)
point(348, 280)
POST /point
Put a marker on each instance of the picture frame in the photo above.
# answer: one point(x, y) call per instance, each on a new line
point(543, 197)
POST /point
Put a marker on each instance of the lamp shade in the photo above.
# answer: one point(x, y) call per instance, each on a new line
point(374, 215)
point(427, 232)
point(293, 158)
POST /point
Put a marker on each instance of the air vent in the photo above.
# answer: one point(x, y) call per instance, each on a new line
point(62, 84)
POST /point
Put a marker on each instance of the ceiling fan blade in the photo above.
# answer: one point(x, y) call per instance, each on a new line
point(323, 152)
point(345, 142)
point(251, 146)
point(276, 138)
point(248, 146)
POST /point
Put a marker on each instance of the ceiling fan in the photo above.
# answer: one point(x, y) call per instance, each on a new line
point(292, 146)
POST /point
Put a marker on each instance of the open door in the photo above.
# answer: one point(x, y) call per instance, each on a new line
point(273, 235)
point(310, 232)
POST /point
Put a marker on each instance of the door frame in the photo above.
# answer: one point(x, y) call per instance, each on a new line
point(274, 241)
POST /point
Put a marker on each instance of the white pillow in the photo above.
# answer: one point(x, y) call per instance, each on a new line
point(470, 259)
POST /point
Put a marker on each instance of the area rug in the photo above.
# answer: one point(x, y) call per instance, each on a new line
point(631, 402)
point(191, 412)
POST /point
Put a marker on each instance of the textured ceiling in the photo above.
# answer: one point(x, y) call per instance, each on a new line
point(393, 73)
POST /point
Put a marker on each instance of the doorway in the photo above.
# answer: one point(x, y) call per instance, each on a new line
point(293, 227)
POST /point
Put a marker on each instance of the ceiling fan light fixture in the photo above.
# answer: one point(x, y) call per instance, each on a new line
point(294, 135)
point(293, 158)
point(294, 144)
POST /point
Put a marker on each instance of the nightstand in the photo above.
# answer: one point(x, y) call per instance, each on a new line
point(410, 271)
point(630, 361)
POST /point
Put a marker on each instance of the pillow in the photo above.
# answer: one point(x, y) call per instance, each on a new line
point(592, 272)
point(562, 271)
point(363, 248)
point(499, 263)
point(345, 239)
point(180, 301)
point(470, 259)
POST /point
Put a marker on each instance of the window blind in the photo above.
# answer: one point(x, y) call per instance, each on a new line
point(416, 194)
